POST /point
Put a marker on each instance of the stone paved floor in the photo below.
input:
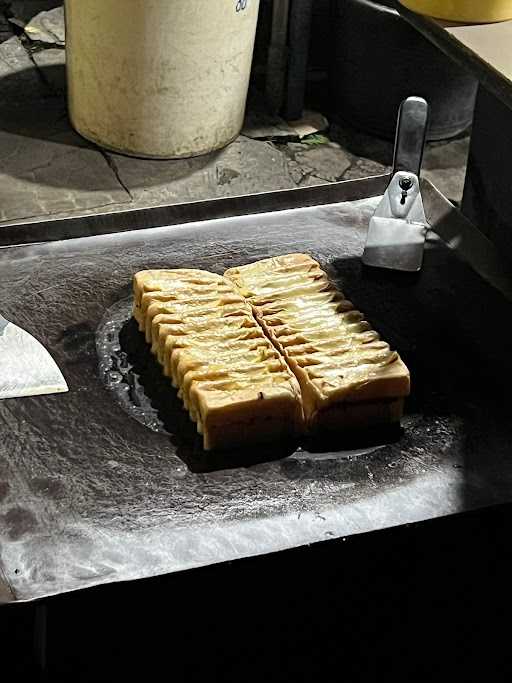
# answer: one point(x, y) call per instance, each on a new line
point(46, 169)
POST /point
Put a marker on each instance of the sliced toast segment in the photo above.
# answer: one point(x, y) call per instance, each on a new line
point(349, 378)
point(235, 385)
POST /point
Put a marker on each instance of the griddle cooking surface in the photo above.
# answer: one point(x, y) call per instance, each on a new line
point(90, 495)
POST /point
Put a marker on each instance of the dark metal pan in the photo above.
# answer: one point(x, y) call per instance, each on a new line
point(89, 494)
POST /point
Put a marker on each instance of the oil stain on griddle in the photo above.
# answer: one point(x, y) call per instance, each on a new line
point(131, 373)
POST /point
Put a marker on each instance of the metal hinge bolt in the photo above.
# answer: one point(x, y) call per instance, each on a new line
point(406, 184)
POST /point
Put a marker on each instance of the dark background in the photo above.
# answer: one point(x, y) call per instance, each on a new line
point(427, 602)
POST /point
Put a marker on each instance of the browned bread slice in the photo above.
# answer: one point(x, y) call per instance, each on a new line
point(348, 376)
point(235, 385)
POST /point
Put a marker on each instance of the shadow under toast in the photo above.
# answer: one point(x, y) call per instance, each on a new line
point(175, 419)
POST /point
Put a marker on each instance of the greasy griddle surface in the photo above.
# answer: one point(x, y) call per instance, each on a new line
point(89, 494)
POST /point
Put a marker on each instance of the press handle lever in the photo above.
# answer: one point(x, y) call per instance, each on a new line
point(411, 130)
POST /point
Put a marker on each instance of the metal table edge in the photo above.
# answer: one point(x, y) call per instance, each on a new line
point(34, 232)
point(10, 597)
point(447, 221)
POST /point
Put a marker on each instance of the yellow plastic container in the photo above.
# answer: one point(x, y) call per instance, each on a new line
point(474, 11)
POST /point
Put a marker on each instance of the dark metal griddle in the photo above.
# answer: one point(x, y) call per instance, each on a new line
point(89, 495)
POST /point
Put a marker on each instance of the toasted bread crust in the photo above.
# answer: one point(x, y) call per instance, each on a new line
point(230, 377)
point(338, 359)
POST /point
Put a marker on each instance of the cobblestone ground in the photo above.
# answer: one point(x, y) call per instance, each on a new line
point(46, 169)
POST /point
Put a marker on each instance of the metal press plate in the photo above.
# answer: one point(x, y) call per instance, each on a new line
point(89, 495)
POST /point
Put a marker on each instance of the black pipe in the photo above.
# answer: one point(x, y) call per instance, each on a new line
point(299, 32)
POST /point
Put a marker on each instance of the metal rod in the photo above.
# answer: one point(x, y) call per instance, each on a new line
point(40, 637)
point(298, 54)
point(277, 56)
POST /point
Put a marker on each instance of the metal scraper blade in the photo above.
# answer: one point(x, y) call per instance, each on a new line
point(26, 367)
point(396, 236)
point(397, 231)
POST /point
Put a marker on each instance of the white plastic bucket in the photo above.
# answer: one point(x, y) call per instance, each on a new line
point(159, 78)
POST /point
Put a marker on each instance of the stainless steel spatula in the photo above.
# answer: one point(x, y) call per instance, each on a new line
point(26, 367)
point(396, 236)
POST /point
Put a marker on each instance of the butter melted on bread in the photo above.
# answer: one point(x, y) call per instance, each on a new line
point(234, 383)
point(348, 376)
